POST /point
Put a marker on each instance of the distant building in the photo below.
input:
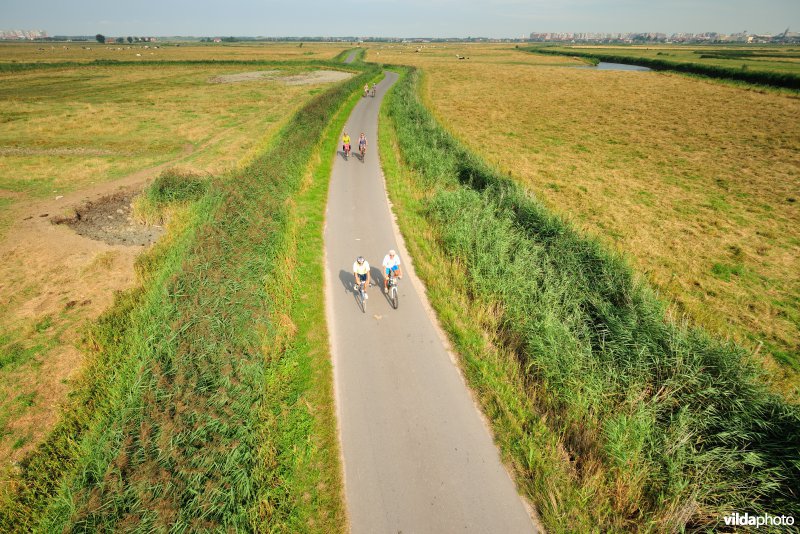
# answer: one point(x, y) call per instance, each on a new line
point(653, 37)
point(21, 35)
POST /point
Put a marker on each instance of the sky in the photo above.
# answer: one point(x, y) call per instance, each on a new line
point(395, 18)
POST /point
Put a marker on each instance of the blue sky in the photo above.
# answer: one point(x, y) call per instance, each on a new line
point(396, 18)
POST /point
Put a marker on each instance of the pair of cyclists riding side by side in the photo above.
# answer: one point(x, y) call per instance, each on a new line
point(369, 91)
point(362, 145)
point(391, 268)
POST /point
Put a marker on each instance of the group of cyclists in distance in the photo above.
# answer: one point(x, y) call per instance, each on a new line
point(362, 139)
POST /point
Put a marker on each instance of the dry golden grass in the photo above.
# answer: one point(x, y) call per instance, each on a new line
point(697, 181)
point(90, 51)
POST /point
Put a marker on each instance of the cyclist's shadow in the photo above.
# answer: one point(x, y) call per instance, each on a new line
point(349, 283)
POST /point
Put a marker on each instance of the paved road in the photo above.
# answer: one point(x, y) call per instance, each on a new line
point(417, 456)
point(351, 57)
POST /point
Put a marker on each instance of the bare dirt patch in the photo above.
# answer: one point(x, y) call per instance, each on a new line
point(317, 76)
point(310, 78)
point(110, 220)
point(244, 76)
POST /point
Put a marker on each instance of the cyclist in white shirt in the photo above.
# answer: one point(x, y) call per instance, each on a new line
point(391, 264)
point(361, 273)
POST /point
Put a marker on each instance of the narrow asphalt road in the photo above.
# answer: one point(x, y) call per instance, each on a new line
point(351, 57)
point(417, 455)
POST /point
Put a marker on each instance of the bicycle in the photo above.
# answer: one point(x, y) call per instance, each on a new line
point(391, 292)
point(363, 150)
point(362, 295)
point(346, 148)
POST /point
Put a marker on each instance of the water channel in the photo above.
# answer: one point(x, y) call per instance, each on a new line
point(620, 66)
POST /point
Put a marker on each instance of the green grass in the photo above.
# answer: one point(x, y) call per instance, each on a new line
point(14, 353)
point(612, 416)
point(725, 271)
point(172, 188)
point(5, 220)
point(198, 408)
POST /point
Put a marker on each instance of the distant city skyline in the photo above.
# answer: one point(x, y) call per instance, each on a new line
point(398, 18)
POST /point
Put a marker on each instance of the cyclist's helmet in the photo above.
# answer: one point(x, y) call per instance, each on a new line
point(360, 259)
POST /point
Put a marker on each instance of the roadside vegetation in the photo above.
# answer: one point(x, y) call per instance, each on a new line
point(206, 402)
point(613, 415)
point(777, 66)
point(695, 182)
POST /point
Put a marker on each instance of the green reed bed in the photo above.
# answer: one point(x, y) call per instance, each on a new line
point(199, 409)
point(612, 416)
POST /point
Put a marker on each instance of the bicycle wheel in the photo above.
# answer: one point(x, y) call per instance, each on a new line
point(394, 297)
point(363, 302)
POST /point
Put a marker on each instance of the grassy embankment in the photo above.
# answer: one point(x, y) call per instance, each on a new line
point(778, 68)
point(612, 416)
point(206, 402)
point(695, 182)
point(71, 129)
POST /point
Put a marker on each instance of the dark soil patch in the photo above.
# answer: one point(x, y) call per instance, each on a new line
point(110, 220)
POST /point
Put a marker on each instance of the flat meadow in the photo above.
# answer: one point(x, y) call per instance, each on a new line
point(87, 51)
point(695, 182)
point(70, 131)
point(67, 128)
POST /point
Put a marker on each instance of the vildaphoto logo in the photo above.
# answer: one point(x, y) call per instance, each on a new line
point(747, 520)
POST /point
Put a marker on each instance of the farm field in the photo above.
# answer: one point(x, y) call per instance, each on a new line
point(77, 131)
point(167, 51)
point(697, 182)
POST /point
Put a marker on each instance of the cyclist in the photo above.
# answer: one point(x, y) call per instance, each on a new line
point(362, 145)
point(346, 143)
point(361, 274)
point(372, 91)
point(366, 89)
point(391, 266)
